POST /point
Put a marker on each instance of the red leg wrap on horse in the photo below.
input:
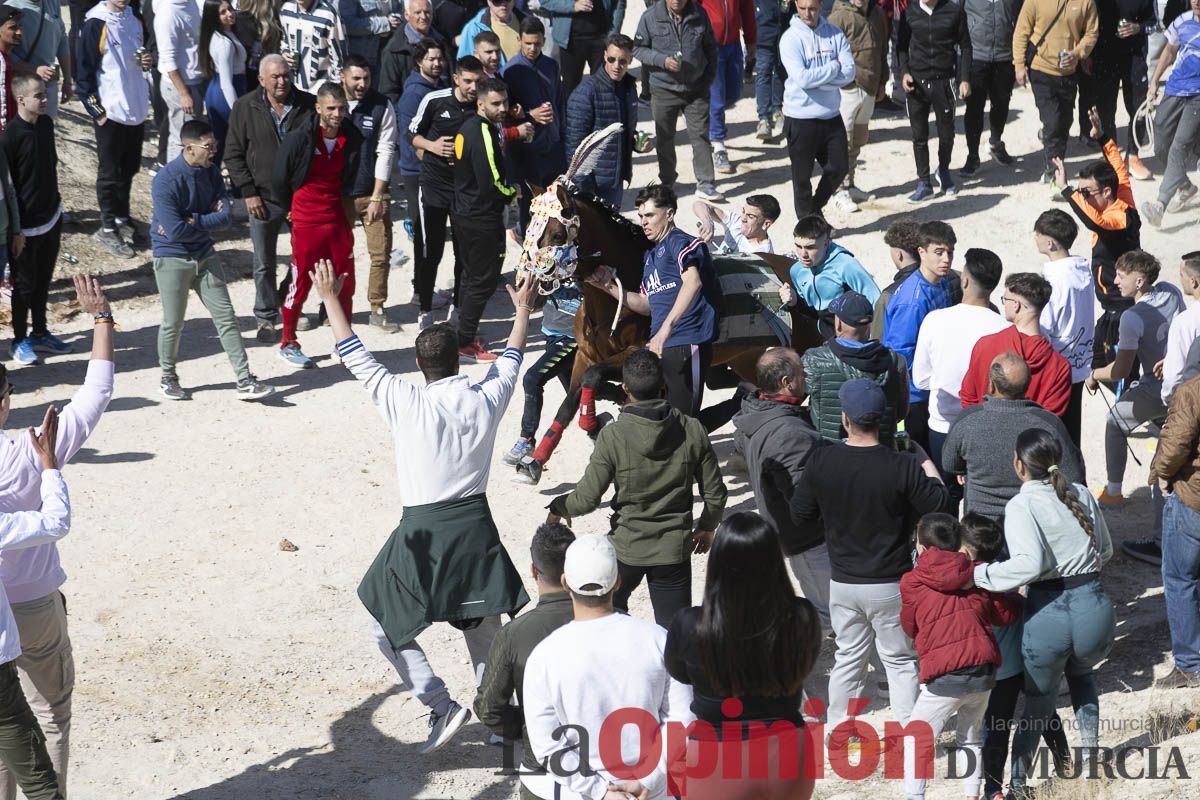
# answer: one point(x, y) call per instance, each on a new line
point(587, 409)
point(549, 442)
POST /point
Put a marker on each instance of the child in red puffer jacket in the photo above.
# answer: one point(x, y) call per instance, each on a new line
point(952, 629)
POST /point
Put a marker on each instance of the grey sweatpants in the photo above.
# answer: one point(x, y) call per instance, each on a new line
point(1140, 403)
point(1176, 142)
point(937, 710)
point(866, 615)
point(417, 675)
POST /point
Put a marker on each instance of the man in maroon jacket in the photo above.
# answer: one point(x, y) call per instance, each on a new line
point(1025, 295)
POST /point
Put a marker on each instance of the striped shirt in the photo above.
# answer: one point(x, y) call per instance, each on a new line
point(318, 39)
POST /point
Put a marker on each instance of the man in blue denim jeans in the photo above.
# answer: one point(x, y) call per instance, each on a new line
point(770, 18)
point(1176, 468)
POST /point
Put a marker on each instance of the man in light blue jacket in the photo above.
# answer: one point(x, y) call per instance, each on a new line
point(818, 62)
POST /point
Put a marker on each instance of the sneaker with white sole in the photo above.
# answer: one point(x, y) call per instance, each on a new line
point(1152, 212)
point(945, 181)
point(475, 351)
point(843, 202)
point(49, 343)
point(22, 352)
point(707, 191)
point(923, 193)
point(1182, 199)
point(765, 130)
point(519, 450)
point(253, 389)
point(170, 389)
point(721, 162)
point(380, 320)
point(291, 355)
point(111, 241)
point(857, 194)
point(443, 727)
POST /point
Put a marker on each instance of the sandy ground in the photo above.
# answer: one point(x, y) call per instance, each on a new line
point(214, 666)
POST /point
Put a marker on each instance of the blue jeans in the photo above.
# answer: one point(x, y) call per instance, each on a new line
point(726, 88)
point(1181, 581)
point(1067, 632)
point(768, 81)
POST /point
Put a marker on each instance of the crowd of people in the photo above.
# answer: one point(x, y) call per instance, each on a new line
point(919, 471)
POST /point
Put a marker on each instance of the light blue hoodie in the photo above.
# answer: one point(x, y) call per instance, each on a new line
point(819, 64)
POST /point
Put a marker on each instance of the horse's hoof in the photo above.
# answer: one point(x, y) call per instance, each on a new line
point(529, 471)
point(601, 421)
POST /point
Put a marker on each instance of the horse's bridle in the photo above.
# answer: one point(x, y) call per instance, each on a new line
point(553, 265)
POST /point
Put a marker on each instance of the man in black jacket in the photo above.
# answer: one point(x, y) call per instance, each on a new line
point(314, 168)
point(930, 65)
point(399, 58)
point(480, 196)
point(257, 123)
point(869, 497)
point(432, 131)
point(773, 434)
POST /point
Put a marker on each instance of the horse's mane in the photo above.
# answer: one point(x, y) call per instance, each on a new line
point(609, 211)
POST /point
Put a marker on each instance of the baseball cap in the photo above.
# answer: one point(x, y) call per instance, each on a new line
point(863, 402)
point(853, 308)
point(591, 565)
point(8, 12)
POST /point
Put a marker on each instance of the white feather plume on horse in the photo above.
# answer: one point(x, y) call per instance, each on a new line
point(587, 155)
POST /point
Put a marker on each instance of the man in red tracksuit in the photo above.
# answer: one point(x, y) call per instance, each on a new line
point(730, 20)
point(316, 164)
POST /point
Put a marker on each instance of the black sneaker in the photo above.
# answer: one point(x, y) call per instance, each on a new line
point(170, 389)
point(1145, 550)
point(253, 389)
point(1000, 153)
point(267, 333)
point(112, 242)
point(971, 168)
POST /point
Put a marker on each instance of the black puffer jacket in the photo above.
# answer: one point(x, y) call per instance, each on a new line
point(776, 438)
point(827, 367)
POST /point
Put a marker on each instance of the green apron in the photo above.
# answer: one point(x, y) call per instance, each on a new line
point(443, 563)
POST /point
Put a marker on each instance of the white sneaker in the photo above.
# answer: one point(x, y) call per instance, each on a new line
point(843, 202)
point(443, 728)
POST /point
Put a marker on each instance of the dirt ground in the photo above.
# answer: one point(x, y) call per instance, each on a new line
point(212, 665)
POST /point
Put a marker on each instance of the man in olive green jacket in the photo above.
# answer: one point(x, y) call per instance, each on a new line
point(653, 454)
point(865, 28)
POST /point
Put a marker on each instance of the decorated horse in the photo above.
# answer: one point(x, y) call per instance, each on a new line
point(572, 234)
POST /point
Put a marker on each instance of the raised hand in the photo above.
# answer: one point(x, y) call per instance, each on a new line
point(327, 282)
point(90, 295)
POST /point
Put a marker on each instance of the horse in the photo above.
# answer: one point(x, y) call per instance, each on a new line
point(577, 234)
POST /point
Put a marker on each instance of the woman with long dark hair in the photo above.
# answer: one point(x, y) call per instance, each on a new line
point(223, 65)
point(746, 652)
point(1057, 541)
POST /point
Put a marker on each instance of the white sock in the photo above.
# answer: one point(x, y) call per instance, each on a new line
point(1114, 489)
point(718, 147)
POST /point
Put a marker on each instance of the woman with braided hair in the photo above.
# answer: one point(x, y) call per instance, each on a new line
point(1057, 541)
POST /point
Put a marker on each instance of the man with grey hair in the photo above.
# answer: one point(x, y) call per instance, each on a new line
point(258, 122)
point(981, 441)
point(775, 438)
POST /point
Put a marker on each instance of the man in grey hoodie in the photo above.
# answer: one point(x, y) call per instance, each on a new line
point(981, 441)
point(773, 434)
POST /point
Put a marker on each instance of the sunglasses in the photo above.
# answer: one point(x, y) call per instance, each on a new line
point(624, 62)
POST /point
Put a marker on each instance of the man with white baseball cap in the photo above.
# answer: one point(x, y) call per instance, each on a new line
point(571, 686)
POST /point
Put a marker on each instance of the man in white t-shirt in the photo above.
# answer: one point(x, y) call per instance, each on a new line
point(589, 668)
point(1069, 320)
point(944, 344)
point(744, 231)
point(1182, 360)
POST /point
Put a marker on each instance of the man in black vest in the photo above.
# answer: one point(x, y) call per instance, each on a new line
point(368, 201)
point(258, 122)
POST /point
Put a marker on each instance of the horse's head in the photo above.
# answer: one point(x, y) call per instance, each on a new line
point(550, 251)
